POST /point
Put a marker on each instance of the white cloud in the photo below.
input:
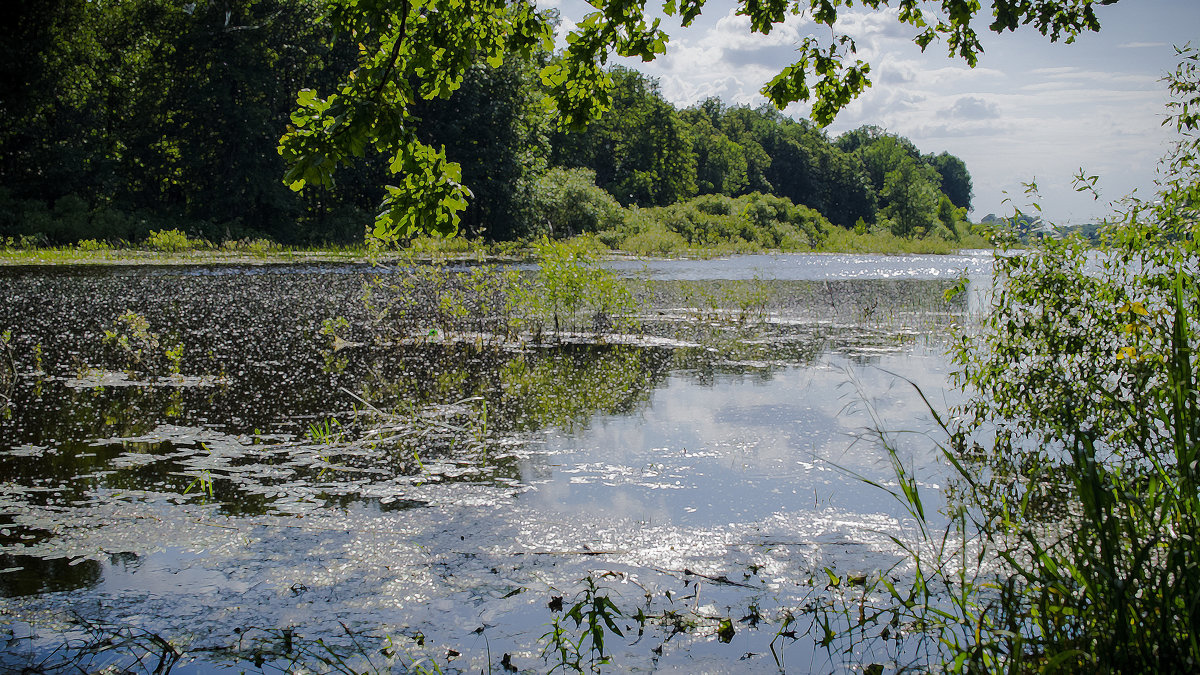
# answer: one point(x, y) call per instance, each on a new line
point(972, 108)
point(1141, 45)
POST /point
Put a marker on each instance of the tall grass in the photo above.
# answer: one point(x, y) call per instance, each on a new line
point(1074, 505)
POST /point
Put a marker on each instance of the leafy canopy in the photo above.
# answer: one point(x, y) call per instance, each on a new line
point(420, 49)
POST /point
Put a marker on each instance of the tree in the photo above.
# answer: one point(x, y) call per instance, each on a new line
point(912, 201)
point(499, 130)
point(640, 150)
point(157, 108)
point(721, 163)
point(956, 180)
point(808, 169)
point(420, 49)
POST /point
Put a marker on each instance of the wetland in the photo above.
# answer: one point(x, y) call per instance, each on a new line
point(247, 467)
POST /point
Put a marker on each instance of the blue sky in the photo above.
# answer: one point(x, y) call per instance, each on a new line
point(1031, 110)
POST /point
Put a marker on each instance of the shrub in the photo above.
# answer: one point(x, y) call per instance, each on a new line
point(1076, 461)
point(657, 241)
point(169, 241)
point(92, 245)
point(752, 222)
point(568, 202)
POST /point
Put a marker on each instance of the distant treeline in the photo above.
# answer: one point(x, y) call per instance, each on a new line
point(119, 118)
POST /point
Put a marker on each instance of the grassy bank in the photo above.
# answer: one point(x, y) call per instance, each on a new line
point(180, 249)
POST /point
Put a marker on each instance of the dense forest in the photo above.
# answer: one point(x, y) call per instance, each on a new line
point(124, 117)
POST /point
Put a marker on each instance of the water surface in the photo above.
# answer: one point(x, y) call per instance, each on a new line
point(242, 508)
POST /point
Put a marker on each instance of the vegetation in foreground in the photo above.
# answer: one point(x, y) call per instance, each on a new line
point(1075, 505)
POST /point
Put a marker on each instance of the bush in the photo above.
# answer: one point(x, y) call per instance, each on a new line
point(435, 246)
point(169, 241)
point(568, 202)
point(92, 245)
point(658, 241)
point(754, 222)
point(1075, 493)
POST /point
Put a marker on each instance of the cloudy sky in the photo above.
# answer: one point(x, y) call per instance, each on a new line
point(1031, 110)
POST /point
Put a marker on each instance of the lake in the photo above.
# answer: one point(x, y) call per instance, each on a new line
point(293, 490)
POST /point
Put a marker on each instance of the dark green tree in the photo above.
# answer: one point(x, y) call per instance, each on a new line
point(498, 128)
point(640, 149)
point(956, 180)
point(720, 162)
point(912, 200)
point(808, 169)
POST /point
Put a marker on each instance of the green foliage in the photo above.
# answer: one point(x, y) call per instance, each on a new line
point(640, 149)
point(170, 241)
point(371, 107)
point(439, 246)
point(568, 202)
point(754, 222)
point(594, 615)
point(92, 245)
point(127, 114)
point(652, 239)
point(257, 247)
point(572, 292)
point(138, 349)
point(130, 337)
point(431, 302)
point(1075, 504)
point(497, 127)
point(421, 50)
point(912, 201)
point(956, 180)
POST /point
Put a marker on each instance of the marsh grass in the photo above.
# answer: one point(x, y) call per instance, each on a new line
point(289, 650)
point(651, 240)
point(1107, 582)
point(841, 240)
point(1067, 540)
point(90, 646)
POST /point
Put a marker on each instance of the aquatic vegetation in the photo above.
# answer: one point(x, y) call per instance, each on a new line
point(92, 245)
point(99, 646)
point(96, 646)
point(572, 292)
point(132, 340)
point(170, 241)
point(490, 305)
point(137, 348)
point(259, 247)
point(594, 614)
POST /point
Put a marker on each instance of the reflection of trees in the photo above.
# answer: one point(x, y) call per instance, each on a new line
point(564, 385)
point(46, 575)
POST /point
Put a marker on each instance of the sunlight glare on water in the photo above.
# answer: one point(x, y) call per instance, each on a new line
point(446, 494)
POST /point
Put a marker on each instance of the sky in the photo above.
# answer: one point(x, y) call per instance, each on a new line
point(1032, 111)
